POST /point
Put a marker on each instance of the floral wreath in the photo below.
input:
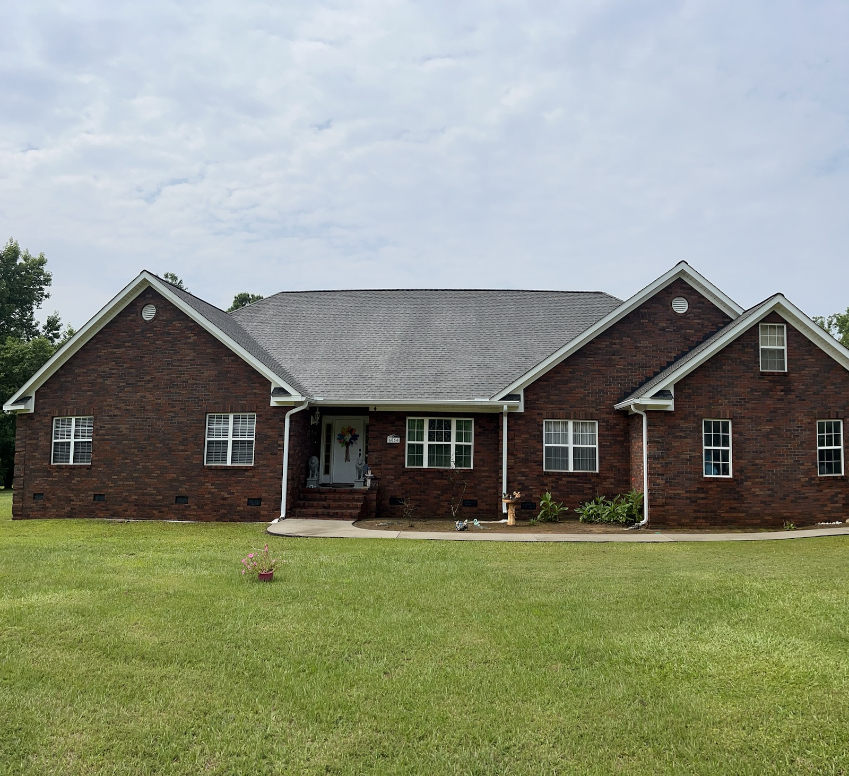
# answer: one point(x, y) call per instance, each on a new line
point(346, 437)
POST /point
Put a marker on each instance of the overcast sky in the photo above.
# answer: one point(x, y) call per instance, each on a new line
point(575, 145)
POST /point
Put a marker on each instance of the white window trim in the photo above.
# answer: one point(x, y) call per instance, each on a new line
point(425, 443)
point(571, 469)
point(730, 449)
point(761, 348)
point(208, 439)
point(831, 447)
point(72, 440)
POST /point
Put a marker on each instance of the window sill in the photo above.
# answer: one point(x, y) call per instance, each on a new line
point(564, 471)
point(69, 465)
point(228, 466)
point(773, 373)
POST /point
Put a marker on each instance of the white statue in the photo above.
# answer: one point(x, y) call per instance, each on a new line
point(360, 465)
point(312, 480)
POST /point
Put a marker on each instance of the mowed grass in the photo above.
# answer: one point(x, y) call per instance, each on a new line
point(139, 648)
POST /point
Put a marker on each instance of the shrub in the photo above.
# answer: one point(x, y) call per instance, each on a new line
point(549, 511)
point(620, 510)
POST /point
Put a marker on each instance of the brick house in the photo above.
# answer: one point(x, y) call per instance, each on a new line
point(163, 406)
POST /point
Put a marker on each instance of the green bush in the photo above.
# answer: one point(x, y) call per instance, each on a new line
point(549, 511)
point(624, 509)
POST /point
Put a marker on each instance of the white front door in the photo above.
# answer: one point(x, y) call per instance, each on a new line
point(349, 443)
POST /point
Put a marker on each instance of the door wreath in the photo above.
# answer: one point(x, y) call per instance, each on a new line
point(346, 437)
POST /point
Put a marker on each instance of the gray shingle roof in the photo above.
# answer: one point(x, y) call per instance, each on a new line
point(413, 344)
point(648, 388)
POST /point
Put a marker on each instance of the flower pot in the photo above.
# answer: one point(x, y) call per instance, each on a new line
point(265, 576)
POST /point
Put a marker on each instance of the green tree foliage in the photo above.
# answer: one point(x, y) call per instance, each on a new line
point(24, 345)
point(243, 299)
point(24, 280)
point(174, 280)
point(837, 325)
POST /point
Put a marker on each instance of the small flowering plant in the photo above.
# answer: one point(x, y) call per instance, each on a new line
point(259, 561)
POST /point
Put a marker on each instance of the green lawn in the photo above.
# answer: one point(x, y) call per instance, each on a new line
point(139, 648)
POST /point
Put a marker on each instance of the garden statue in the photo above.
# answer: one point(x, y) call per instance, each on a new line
point(361, 467)
point(312, 480)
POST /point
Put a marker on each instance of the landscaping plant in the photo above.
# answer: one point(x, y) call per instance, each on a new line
point(549, 510)
point(259, 561)
point(623, 509)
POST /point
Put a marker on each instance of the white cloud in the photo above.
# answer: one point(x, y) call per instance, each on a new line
point(280, 146)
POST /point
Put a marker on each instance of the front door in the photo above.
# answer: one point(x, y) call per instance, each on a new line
point(349, 444)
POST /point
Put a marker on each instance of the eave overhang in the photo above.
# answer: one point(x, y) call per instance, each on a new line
point(144, 280)
point(778, 304)
point(682, 271)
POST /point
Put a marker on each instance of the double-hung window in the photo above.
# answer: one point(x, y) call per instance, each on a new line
point(570, 445)
point(72, 440)
point(829, 447)
point(773, 347)
point(230, 439)
point(440, 443)
point(717, 448)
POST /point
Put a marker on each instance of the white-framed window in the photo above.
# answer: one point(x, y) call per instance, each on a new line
point(230, 439)
point(773, 347)
point(570, 445)
point(716, 440)
point(72, 440)
point(440, 443)
point(829, 447)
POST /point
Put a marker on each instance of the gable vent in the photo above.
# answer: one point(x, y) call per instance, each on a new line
point(148, 312)
point(680, 305)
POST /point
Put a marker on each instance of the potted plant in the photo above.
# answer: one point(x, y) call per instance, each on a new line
point(261, 564)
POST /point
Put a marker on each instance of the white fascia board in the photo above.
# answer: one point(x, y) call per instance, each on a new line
point(781, 305)
point(417, 405)
point(666, 405)
point(681, 270)
point(110, 310)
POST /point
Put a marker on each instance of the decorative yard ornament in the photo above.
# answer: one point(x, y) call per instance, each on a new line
point(510, 500)
point(347, 437)
point(316, 418)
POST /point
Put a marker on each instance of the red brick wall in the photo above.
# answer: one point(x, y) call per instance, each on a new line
point(149, 387)
point(774, 454)
point(430, 489)
point(587, 385)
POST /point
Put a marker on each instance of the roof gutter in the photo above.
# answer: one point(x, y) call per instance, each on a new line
point(285, 485)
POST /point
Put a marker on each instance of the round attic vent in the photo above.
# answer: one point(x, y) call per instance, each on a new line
point(148, 312)
point(680, 305)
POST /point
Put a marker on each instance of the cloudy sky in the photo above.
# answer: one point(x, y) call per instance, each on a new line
point(573, 145)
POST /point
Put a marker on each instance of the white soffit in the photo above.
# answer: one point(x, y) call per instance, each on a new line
point(682, 271)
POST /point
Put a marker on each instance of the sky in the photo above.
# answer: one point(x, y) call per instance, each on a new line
point(578, 145)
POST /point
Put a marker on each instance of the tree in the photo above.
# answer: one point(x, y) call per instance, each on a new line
point(24, 280)
point(837, 325)
point(243, 299)
point(24, 346)
point(174, 280)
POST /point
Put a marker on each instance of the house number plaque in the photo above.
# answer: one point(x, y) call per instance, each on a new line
point(393, 440)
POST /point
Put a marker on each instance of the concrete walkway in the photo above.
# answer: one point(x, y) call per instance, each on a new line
point(345, 529)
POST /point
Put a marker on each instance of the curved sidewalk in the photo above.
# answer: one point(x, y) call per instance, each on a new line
point(345, 529)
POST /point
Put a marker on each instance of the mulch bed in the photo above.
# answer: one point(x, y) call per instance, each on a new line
point(524, 526)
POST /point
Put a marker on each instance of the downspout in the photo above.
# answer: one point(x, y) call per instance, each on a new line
point(286, 456)
point(504, 455)
point(645, 519)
